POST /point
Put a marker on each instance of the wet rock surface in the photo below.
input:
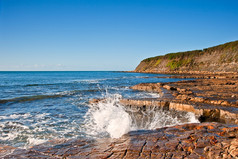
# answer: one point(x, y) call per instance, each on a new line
point(204, 140)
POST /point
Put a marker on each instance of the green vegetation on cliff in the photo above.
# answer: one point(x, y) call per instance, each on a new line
point(218, 58)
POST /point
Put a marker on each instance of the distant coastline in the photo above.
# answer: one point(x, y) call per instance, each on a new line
point(218, 59)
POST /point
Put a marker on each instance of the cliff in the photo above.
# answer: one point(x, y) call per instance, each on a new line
point(221, 58)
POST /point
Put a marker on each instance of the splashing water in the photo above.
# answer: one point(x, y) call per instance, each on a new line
point(109, 118)
point(152, 119)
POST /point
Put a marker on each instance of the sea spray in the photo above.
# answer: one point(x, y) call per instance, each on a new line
point(157, 118)
point(109, 118)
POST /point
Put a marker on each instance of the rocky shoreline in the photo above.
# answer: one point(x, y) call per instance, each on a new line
point(212, 97)
point(205, 140)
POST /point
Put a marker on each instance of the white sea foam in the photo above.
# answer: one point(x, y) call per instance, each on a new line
point(34, 141)
point(144, 95)
point(192, 118)
point(24, 130)
point(152, 119)
point(40, 116)
point(153, 95)
point(109, 118)
point(15, 116)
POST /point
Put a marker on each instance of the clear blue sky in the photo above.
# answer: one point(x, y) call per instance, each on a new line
point(108, 34)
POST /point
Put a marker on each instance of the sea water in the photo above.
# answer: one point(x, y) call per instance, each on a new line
point(40, 106)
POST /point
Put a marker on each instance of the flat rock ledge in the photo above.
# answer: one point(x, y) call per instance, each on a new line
point(203, 112)
point(210, 99)
point(200, 140)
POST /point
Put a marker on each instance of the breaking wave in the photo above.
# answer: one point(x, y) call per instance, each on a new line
point(109, 118)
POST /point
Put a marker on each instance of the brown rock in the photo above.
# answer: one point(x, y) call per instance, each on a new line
point(160, 143)
point(151, 87)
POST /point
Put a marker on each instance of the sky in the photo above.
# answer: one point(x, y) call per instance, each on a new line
point(95, 35)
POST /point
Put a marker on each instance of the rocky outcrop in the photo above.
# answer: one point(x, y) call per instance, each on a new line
point(211, 99)
point(203, 112)
point(150, 87)
point(204, 140)
point(210, 91)
point(221, 58)
point(223, 91)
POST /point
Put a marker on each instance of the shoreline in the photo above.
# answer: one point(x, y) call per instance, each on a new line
point(201, 73)
point(207, 96)
point(202, 140)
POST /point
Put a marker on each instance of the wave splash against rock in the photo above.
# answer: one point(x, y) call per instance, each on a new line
point(109, 117)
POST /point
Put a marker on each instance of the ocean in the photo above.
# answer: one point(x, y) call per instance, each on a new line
point(40, 106)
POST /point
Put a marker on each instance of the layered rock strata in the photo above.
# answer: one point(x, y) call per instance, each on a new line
point(211, 99)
